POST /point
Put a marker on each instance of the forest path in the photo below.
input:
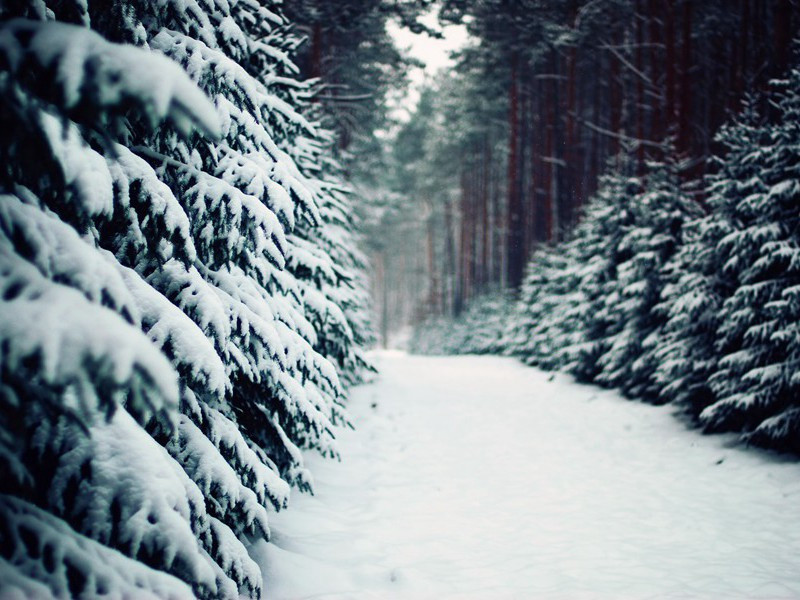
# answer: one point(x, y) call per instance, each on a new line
point(477, 477)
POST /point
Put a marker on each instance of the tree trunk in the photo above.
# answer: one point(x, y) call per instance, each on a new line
point(449, 260)
point(515, 235)
point(316, 51)
point(640, 150)
point(485, 173)
point(684, 132)
point(671, 64)
point(656, 67)
point(433, 273)
point(783, 36)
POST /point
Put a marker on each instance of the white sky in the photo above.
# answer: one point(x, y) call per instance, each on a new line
point(431, 51)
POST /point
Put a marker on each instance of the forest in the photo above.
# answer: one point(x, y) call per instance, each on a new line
point(610, 190)
point(212, 212)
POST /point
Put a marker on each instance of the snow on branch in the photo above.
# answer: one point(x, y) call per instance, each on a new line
point(85, 567)
point(77, 343)
point(89, 74)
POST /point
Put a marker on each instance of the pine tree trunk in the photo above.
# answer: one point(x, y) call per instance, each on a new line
point(498, 221)
point(615, 101)
point(684, 132)
point(656, 70)
point(570, 170)
point(515, 238)
point(449, 271)
point(535, 218)
point(671, 62)
point(547, 171)
point(485, 172)
point(570, 150)
point(594, 152)
point(433, 273)
point(739, 65)
point(783, 36)
point(640, 151)
point(316, 50)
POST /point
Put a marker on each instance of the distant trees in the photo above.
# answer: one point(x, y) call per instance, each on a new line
point(658, 243)
point(349, 52)
point(551, 92)
point(676, 281)
point(671, 301)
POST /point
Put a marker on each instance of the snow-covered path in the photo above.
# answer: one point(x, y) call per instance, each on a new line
point(477, 477)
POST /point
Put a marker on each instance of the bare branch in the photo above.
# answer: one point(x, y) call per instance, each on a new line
point(620, 136)
point(627, 63)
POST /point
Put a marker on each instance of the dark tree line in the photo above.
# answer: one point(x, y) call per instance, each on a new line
point(569, 85)
point(676, 281)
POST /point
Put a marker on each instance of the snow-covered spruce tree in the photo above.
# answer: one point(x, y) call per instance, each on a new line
point(755, 383)
point(322, 252)
point(595, 247)
point(329, 260)
point(700, 276)
point(80, 377)
point(479, 329)
point(547, 293)
point(564, 314)
point(486, 320)
point(659, 213)
point(587, 305)
point(188, 248)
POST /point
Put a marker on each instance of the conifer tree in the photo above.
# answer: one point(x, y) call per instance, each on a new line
point(481, 329)
point(755, 383)
point(564, 306)
point(597, 248)
point(546, 293)
point(658, 212)
point(700, 277)
point(153, 317)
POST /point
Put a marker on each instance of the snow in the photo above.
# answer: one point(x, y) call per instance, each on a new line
point(108, 573)
point(477, 477)
point(84, 169)
point(110, 74)
point(131, 473)
point(59, 252)
point(259, 473)
point(76, 342)
point(166, 325)
point(217, 479)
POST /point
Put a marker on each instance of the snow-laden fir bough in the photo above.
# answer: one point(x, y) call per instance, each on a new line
point(179, 296)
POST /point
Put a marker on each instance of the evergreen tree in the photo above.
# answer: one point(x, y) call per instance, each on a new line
point(161, 367)
point(478, 330)
point(349, 49)
point(588, 305)
point(755, 383)
point(597, 249)
point(564, 306)
point(328, 258)
point(546, 297)
point(700, 277)
point(658, 213)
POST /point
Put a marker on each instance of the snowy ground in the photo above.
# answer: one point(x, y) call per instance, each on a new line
point(476, 477)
